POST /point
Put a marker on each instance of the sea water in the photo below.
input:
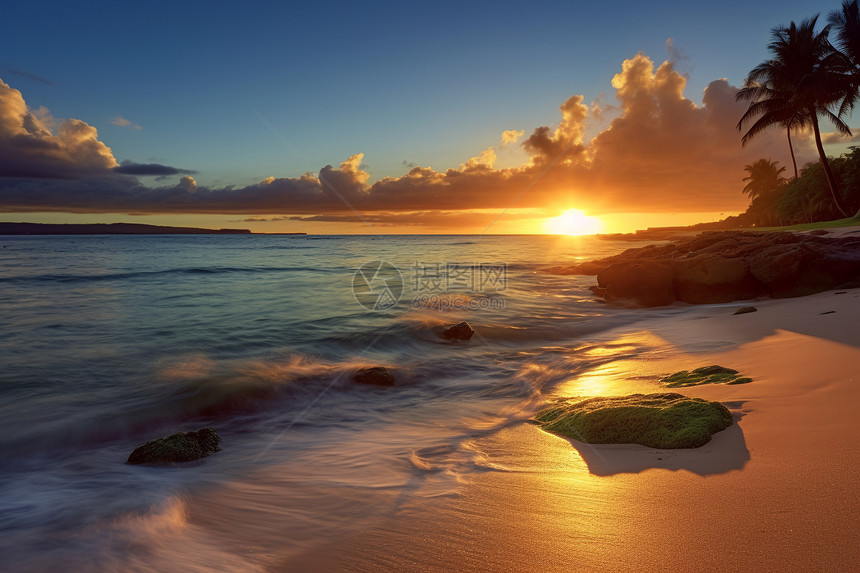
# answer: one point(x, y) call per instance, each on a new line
point(109, 341)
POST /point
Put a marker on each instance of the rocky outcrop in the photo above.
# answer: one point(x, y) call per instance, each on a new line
point(460, 331)
point(180, 447)
point(724, 266)
point(374, 376)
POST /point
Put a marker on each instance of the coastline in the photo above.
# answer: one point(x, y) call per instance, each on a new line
point(776, 491)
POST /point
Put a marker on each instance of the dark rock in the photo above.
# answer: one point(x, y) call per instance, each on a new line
point(725, 266)
point(819, 232)
point(745, 310)
point(374, 376)
point(643, 283)
point(180, 447)
point(711, 278)
point(828, 312)
point(460, 331)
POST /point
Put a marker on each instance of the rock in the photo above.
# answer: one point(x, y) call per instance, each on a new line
point(642, 283)
point(745, 310)
point(722, 266)
point(711, 278)
point(374, 376)
point(180, 447)
point(460, 331)
point(713, 374)
point(662, 421)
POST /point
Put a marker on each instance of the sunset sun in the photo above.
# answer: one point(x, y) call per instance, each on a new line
point(573, 222)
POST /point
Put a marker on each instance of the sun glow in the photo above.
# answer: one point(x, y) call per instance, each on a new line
point(573, 222)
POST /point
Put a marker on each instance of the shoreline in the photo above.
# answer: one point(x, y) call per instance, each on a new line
point(775, 491)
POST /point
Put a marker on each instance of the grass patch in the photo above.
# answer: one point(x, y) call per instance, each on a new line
point(713, 374)
point(663, 421)
point(847, 222)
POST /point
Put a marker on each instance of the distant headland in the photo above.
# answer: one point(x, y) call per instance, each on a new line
point(113, 229)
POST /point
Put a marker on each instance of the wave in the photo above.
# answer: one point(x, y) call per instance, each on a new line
point(191, 389)
point(72, 278)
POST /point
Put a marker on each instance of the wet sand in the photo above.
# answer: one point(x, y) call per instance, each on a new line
point(778, 491)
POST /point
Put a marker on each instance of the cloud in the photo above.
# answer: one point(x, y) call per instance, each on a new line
point(123, 122)
point(565, 142)
point(188, 184)
point(33, 144)
point(836, 138)
point(660, 152)
point(511, 136)
point(29, 76)
point(437, 219)
point(144, 169)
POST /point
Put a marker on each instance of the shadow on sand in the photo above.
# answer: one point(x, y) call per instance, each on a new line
point(725, 452)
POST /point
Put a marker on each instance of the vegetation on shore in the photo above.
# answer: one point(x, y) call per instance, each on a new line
point(662, 421)
point(807, 77)
point(713, 374)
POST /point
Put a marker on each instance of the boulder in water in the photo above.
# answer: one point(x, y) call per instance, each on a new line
point(374, 376)
point(179, 447)
point(460, 331)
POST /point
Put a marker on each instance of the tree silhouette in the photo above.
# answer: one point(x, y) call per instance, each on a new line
point(846, 24)
point(804, 79)
point(764, 179)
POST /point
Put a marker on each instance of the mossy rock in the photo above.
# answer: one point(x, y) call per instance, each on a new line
point(713, 374)
point(663, 421)
point(180, 447)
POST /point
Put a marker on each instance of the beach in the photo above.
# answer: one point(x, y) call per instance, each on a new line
point(775, 492)
point(120, 340)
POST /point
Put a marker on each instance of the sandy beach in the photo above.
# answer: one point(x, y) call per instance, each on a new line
point(777, 491)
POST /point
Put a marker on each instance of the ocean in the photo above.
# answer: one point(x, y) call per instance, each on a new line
point(111, 341)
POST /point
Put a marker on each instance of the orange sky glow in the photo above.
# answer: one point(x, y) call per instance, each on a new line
point(651, 158)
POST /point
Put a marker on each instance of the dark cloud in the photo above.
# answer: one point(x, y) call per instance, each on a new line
point(149, 169)
point(29, 76)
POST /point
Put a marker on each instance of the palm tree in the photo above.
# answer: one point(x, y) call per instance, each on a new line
point(765, 178)
point(846, 24)
point(765, 185)
point(801, 81)
point(767, 88)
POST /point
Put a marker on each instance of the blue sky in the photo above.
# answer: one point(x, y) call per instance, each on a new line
point(429, 85)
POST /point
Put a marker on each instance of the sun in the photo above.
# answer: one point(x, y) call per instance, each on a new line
point(573, 222)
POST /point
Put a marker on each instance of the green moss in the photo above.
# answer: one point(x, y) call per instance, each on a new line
point(661, 421)
point(713, 374)
point(180, 447)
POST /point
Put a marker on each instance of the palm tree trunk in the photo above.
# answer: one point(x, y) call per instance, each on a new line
point(831, 181)
point(791, 149)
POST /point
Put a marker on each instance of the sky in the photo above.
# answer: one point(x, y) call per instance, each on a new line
point(332, 117)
